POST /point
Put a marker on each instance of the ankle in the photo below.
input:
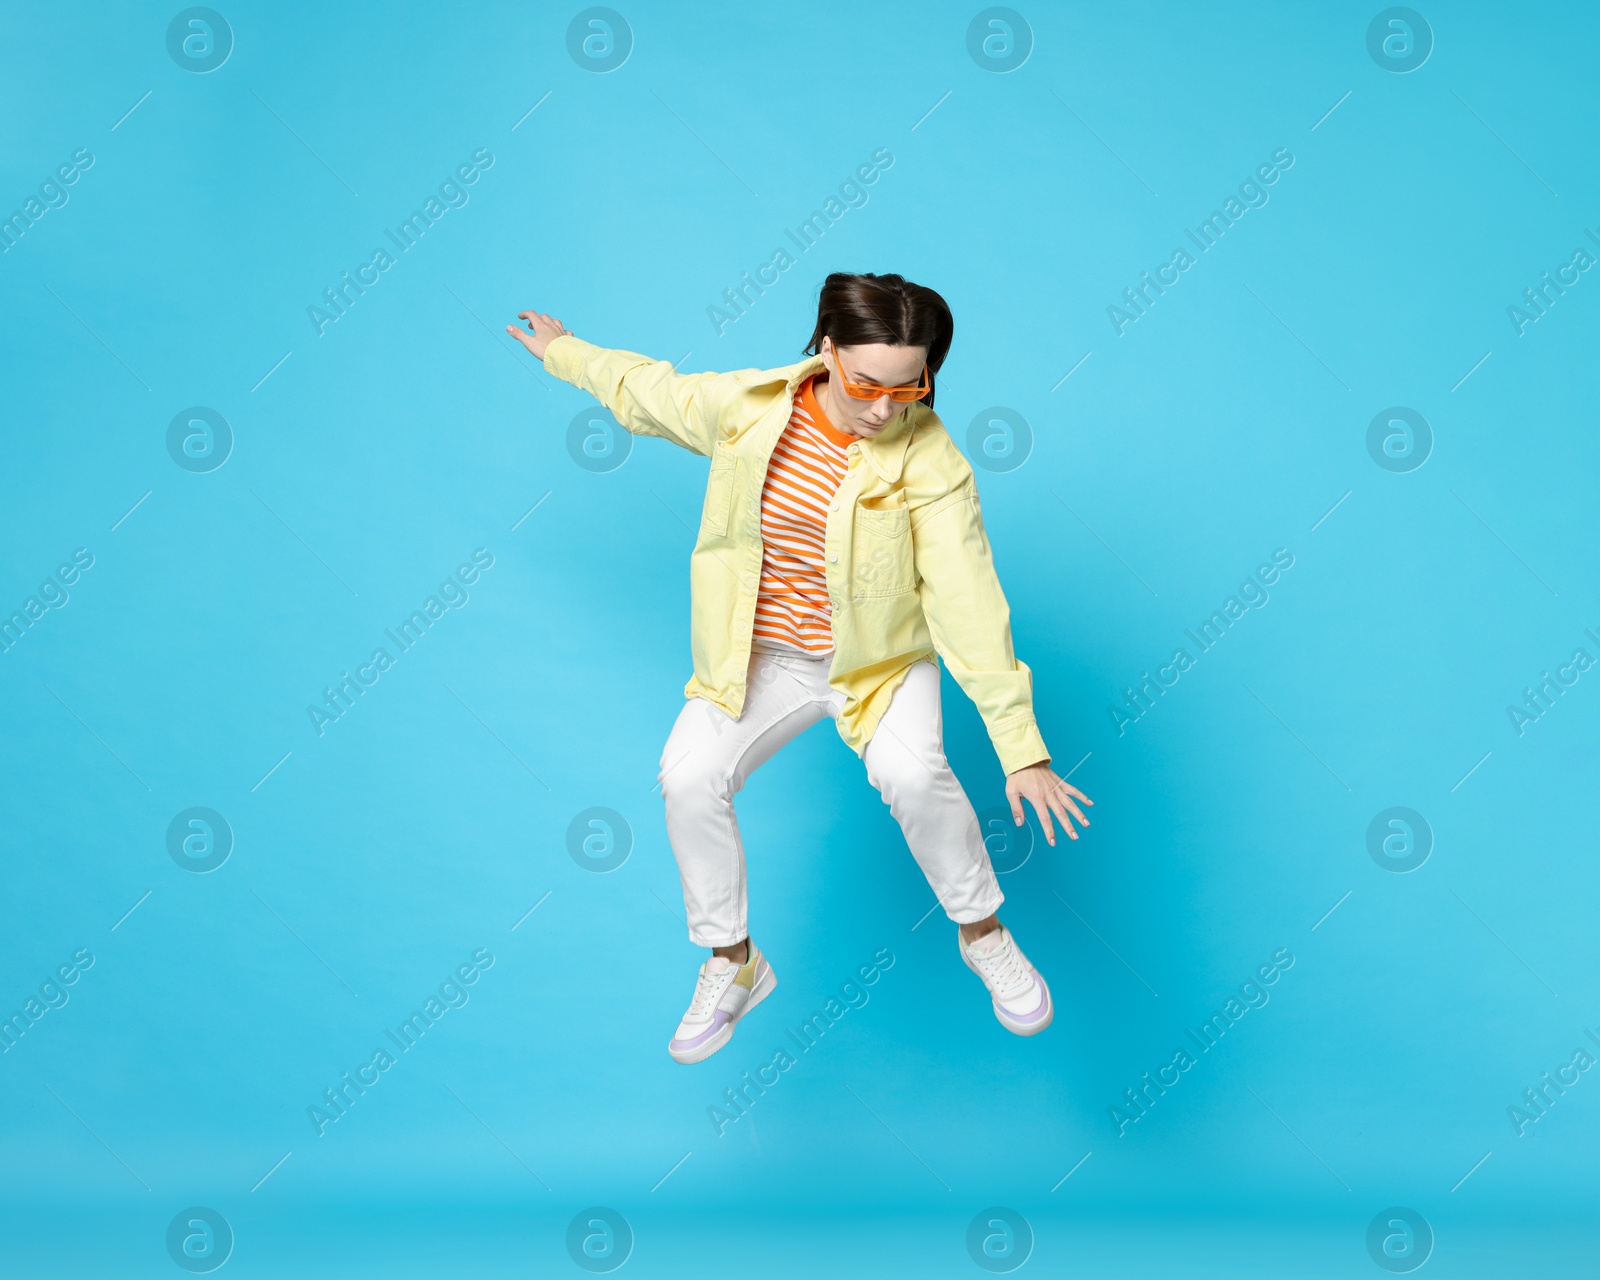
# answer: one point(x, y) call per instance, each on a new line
point(739, 952)
point(970, 933)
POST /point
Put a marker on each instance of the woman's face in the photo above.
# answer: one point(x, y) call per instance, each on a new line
point(873, 363)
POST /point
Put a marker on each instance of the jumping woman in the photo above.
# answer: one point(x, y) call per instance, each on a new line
point(841, 554)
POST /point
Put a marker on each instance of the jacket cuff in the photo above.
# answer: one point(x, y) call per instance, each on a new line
point(1018, 743)
point(566, 355)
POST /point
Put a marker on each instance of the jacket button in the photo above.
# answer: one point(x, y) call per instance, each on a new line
point(835, 506)
point(833, 559)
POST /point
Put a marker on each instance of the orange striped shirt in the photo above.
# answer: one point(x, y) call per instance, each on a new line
point(807, 465)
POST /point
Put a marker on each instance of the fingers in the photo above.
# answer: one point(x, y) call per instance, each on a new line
point(1057, 799)
point(1074, 791)
point(537, 320)
point(1063, 785)
point(1043, 810)
point(541, 330)
point(1064, 792)
point(1060, 809)
point(1062, 803)
point(1053, 799)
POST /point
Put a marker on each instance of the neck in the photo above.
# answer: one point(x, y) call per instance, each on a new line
point(823, 389)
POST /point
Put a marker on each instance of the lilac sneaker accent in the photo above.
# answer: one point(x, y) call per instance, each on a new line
point(719, 1019)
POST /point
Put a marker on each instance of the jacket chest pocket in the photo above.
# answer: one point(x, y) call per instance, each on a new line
point(882, 564)
point(719, 492)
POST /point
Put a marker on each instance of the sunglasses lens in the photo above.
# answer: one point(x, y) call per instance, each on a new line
point(901, 395)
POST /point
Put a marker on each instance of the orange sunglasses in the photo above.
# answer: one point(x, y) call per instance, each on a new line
point(871, 391)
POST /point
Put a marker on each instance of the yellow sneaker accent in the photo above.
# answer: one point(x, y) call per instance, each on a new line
point(746, 977)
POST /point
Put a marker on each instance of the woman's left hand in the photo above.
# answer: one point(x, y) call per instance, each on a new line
point(1039, 785)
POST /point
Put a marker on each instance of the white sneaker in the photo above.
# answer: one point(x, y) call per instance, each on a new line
point(1021, 998)
point(723, 994)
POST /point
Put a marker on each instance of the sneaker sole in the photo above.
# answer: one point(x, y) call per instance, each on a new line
point(766, 984)
point(1020, 1028)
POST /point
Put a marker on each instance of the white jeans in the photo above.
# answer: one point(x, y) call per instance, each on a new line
point(710, 756)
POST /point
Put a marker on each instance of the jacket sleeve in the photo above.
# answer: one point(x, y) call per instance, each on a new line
point(647, 397)
point(971, 623)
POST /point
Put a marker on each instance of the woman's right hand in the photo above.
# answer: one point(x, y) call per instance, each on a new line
point(541, 330)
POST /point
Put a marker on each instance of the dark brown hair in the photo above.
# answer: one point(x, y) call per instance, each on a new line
point(857, 309)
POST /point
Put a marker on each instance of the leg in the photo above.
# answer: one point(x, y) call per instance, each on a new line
point(707, 760)
point(906, 763)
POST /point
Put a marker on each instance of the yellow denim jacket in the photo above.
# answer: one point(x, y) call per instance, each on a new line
point(909, 570)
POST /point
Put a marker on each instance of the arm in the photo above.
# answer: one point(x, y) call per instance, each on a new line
point(970, 622)
point(648, 397)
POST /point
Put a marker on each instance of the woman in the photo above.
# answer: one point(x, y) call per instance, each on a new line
point(841, 554)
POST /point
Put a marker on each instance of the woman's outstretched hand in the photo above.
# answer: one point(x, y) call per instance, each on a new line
point(541, 329)
point(1039, 785)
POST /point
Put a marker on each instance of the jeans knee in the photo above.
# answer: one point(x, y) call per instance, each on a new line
point(909, 780)
point(694, 778)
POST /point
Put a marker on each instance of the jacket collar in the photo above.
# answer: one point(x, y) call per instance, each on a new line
point(886, 452)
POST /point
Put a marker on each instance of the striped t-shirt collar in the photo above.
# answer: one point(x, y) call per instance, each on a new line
point(819, 416)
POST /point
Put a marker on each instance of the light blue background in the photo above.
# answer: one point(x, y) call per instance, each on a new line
point(425, 824)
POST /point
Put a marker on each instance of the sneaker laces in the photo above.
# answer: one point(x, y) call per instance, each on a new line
point(1004, 969)
point(708, 990)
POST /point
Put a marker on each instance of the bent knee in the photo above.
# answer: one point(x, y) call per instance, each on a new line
point(697, 775)
point(910, 778)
